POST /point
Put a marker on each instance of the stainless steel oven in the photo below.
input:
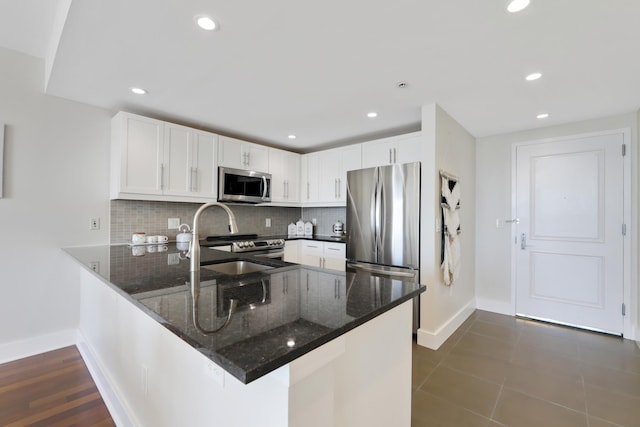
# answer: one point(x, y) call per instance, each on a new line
point(254, 246)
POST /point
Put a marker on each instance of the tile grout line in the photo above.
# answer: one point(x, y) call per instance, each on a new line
point(495, 405)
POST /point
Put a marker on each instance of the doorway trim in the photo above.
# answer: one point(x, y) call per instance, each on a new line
point(630, 289)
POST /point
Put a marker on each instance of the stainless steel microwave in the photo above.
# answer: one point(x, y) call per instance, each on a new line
point(237, 185)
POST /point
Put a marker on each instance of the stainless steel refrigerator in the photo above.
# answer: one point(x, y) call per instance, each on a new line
point(383, 223)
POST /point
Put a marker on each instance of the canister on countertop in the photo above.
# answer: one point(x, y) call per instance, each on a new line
point(291, 229)
point(300, 228)
point(308, 228)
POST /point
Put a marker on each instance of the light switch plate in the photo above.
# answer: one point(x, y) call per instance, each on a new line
point(173, 223)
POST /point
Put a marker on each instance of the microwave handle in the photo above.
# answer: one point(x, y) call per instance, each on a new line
point(264, 187)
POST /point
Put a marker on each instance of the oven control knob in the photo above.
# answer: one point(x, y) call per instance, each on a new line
point(240, 244)
point(281, 242)
point(251, 244)
point(269, 242)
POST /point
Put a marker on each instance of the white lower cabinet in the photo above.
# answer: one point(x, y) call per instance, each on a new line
point(323, 254)
point(292, 251)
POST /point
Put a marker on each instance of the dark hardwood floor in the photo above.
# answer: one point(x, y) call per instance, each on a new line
point(51, 389)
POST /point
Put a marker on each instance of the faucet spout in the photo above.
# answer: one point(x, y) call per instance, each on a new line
point(194, 250)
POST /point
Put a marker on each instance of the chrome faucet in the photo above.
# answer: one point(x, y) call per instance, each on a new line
point(194, 250)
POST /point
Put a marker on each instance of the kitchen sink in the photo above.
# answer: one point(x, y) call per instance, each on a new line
point(237, 267)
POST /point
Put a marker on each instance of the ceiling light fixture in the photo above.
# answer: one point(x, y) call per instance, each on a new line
point(292, 136)
point(138, 91)
point(542, 116)
point(206, 22)
point(372, 114)
point(533, 76)
point(517, 5)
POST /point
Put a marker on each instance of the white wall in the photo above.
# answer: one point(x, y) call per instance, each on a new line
point(451, 148)
point(56, 179)
point(494, 193)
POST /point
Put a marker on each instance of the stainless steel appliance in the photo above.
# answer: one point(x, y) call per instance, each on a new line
point(237, 185)
point(251, 245)
point(383, 223)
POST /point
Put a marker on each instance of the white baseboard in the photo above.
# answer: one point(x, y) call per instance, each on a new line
point(35, 345)
point(434, 340)
point(110, 396)
point(494, 306)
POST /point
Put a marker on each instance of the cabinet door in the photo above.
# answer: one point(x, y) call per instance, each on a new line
point(278, 176)
point(141, 145)
point(284, 168)
point(351, 160)
point(231, 153)
point(292, 251)
point(204, 173)
point(257, 157)
point(397, 149)
point(309, 171)
point(408, 150)
point(177, 160)
point(328, 175)
point(334, 256)
point(311, 253)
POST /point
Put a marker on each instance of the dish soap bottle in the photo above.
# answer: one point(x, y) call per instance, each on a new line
point(300, 228)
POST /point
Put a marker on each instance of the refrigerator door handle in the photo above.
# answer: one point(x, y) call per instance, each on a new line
point(381, 271)
point(378, 214)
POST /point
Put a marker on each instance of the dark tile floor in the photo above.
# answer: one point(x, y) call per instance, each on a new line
point(497, 370)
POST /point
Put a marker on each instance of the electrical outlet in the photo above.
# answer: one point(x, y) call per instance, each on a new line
point(173, 259)
point(499, 223)
point(95, 266)
point(173, 223)
point(94, 224)
point(267, 222)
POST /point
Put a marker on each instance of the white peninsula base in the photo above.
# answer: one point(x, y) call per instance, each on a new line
point(150, 377)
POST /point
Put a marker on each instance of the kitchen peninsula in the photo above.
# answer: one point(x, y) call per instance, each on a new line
point(300, 346)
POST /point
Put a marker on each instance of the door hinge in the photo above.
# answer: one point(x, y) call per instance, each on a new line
point(624, 229)
point(624, 150)
point(624, 309)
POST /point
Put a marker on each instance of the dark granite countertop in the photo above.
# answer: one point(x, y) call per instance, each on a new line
point(282, 313)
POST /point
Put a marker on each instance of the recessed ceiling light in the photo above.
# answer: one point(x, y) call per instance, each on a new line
point(402, 85)
point(292, 136)
point(206, 22)
point(542, 116)
point(533, 76)
point(372, 114)
point(517, 5)
point(138, 91)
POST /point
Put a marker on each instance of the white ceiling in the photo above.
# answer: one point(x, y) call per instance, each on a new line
point(316, 68)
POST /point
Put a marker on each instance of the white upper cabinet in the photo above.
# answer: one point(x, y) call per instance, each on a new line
point(155, 160)
point(284, 168)
point(398, 149)
point(238, 154)
point(325, 182)
point(137, 150)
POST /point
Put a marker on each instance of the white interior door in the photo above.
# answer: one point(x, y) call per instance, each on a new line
point(569, 262)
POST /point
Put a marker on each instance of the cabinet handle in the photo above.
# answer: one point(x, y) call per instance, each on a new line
point(248, 158)
point(285, 193)
point(194, 179)
point(339, 188)
point(162, 176)
point(308, 190)
point(395, 156)
point(390, 161)
point(335, 188)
